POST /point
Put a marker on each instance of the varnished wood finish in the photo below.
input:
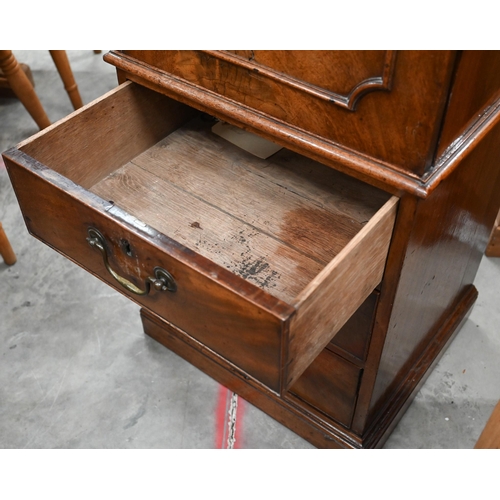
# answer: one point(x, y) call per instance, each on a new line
point(23, 88)
point(298, 231)
point(429, 133)
point(61, 61)
point(353, 339)
point(409, 114)
point(295, 415)
point(8, 255)
point(366, 169)
point(329, 385)
point(380, 427)
point(221, 310)
point(390, 177)
point(5, 88)
point(347, 280)
point(490, 437)
point(403, 227)
point(340, 77)
point(476, 81)
point(441, 260)
point(303, 418)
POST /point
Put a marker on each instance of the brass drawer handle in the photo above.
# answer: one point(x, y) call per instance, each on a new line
point(162, 279)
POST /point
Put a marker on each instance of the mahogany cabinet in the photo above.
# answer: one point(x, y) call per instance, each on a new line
point(321, 283)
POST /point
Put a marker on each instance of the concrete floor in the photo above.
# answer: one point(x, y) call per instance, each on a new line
point(76, 370)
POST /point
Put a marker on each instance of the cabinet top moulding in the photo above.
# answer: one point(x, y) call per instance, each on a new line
point(353, 92)
point(185, 77)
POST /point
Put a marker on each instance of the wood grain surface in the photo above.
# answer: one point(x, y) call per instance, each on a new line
point(276, 223)
point(235, 318)
point(106, 133)
point(399, 127)
point(337, 292)
point(297, 416)
point(330, 385)
point(449, 235)
point(259, 231)
point(273, 256)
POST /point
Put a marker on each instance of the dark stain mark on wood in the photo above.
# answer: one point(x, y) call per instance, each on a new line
point(196, 225)
point(257, 271)
point(251, 268)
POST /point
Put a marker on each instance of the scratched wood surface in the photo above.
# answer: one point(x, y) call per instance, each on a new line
point(276, 223)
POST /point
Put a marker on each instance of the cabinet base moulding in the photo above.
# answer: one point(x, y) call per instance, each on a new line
point(320, 433)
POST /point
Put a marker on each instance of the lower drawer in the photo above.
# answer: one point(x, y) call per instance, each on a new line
point(263, 261)
point(330, 385)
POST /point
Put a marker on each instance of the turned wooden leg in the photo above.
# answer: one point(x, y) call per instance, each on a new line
point(61, 61)
point(22, 87)
point(490, 437)
point(6, 251)
point(493, 248)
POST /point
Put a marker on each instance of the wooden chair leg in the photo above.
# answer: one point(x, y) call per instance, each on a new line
point(490, 437)
point(493, 248)
point(23, 88)
point(6, 251)
point(61, 61)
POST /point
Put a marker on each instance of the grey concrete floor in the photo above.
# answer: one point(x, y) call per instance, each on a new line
point(77, 371)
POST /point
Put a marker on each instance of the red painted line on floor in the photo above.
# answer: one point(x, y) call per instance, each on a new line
point(224, 431)
point(221, 418)
point(239, 423)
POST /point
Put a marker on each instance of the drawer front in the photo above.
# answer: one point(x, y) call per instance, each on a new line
point(61, 213)
point(330, 385)
point(325, 240)
point(384, 104)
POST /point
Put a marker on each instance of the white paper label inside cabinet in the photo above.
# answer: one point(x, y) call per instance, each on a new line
point(252, 143)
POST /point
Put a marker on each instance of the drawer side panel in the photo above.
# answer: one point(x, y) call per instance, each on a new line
point(106, 133)
point(338, 291)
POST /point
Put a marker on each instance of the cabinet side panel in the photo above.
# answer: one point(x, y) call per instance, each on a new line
point(448, 239)
point(477, 79)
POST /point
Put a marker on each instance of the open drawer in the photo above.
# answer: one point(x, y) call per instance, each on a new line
point(262, 261)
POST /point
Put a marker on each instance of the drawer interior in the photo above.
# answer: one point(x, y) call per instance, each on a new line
point(292, 240)
point(275, 223)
